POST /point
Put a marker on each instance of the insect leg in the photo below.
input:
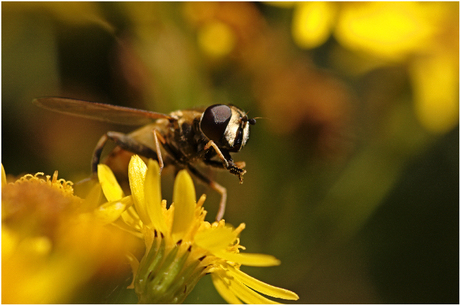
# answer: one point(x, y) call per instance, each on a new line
point(227, 161)
point(219, 153)
point(215, 186)
point(223, 199)
point(97, 153)
point(158, 137)
point(125, 142)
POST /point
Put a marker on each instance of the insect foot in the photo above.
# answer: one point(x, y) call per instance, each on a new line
point(235, 170)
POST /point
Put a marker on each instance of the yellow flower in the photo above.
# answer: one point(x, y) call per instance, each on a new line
point(217, 39)
point(181, 247)
point(51, 243)
point(420, 35)
point(312, 23)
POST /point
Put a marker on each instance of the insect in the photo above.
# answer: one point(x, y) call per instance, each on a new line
point(181, 139)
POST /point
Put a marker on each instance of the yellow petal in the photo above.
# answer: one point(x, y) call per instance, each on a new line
point(110, 211)
point(3, 177)
point(223, 290)
point(136, 174)
point(110, 187)
point(248, 295)
point(262, 287)
point(215, 239)
point(249, 259)
point(131, 218)
point(152, 191)
point(184, 199)
point(134, 262)
point(95, 197)
point(312, 23)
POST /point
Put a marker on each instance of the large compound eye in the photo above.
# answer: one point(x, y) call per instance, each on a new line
point(215, 120)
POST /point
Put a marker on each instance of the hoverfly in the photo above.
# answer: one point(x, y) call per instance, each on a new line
point(180, 139)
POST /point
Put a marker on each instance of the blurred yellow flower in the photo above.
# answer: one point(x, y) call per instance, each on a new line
point(180, 246)
point(312, 23)
point(390, 30)
point(435, 82)
point(51, 244)
point(216, 39)
point(421, 35)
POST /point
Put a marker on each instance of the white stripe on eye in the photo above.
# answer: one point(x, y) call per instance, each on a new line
point(232, 128)
point(245, 135)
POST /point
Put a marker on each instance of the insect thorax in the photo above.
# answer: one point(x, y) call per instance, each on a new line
point(186, 139)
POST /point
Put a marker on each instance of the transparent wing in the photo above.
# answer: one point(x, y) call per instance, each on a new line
point(99, 111)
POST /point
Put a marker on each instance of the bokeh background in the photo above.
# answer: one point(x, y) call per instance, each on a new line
point(352, 175)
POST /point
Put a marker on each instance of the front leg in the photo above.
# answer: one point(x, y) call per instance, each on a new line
point(227, 162)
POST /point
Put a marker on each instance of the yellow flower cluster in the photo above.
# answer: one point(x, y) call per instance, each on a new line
point(421, 35)
point(181, 246)
point(51, 245)
point(54, 242)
